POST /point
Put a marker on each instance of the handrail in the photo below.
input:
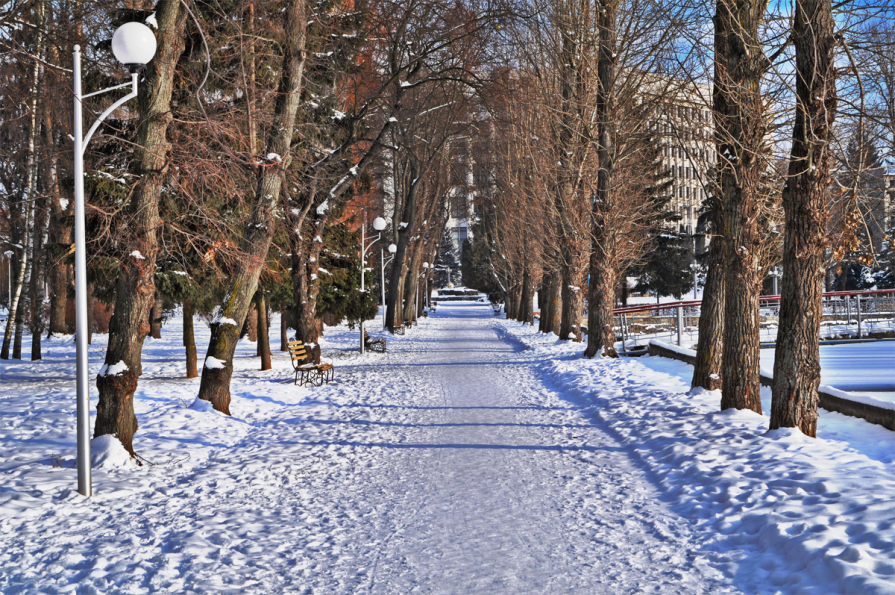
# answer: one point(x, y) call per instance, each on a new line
point(763, 298)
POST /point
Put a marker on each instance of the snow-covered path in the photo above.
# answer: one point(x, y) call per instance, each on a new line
point(444, 466)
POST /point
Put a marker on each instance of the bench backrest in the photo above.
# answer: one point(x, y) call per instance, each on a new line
point(297, 350)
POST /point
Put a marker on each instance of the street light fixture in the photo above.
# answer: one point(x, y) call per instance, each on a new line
point(391, 250)
point(378, 225)
point(134, 46)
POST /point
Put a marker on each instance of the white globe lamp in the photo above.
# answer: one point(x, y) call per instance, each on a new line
point(378, 223)
point(134, 45)
point(392, 248)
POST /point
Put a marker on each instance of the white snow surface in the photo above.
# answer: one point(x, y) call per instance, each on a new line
point(114, 369)
point(106, 452)
point(782, 512)
point(476, 456)
point(213, 363)
point(136, 254)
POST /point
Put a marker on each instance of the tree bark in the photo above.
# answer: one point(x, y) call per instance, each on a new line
point(394, 311)
point(215, 386)
point(90, 313)
point(603, 262)
point(38, 258)
point(155, 318)
point(284, 322)
point(707, 369)
point(741, 130)
point(797, 356)
point(526, 310)
point(189, 340)
point(263, 339)
point(136, 286)
point(251, 326)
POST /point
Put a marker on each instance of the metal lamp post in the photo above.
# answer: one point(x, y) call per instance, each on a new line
point(378, 225)
point(391, 250)
point(134, 46)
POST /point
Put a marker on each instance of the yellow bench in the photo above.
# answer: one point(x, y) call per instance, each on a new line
point(306, 371)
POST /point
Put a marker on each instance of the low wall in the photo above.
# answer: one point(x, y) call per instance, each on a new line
point(828, 400)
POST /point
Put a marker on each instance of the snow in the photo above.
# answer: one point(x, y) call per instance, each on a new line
point(223, 320)
point(151, 21)
point(274, 157)
point(475, 456)
point(781, 512)
point(213, 363)
point(106, 452)
point(324, 206)
point(63, 203)
point(136, 254)
point(852, 366)
point(114, 369)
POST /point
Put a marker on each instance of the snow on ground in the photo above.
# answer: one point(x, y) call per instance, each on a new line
point(443, 466)
point(788, 513)
point(476, 456)
point(853, 367)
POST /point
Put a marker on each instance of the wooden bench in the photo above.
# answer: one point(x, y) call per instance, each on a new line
point(306, 371)
point(377, 345)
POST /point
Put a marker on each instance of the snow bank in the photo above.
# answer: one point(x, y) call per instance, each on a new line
point(107, 452)
point(809, 515)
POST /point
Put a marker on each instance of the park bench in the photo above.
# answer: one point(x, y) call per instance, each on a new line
point(377, 345)
point(306, 371)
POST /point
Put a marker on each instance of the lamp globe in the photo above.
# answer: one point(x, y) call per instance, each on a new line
point(134, 45)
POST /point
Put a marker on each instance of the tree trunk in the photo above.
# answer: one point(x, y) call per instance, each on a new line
point(189, 340)
point(90, 313)
point(136, 285)
point(59, 231)
point(38, 258)
point(263, 339)
point(601, 299)
point(741, 131)
point(284, 322)
point(553, 323)
point(603, 262)
point(215, 386)
point(797, 356)
point(251, 326)
point(526, 310)
point(155, 318)
point(411, 282)
point(707, 369)
point(394, 311)
point(20, 310)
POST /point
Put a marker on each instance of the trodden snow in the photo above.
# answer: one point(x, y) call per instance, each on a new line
point(476, 456)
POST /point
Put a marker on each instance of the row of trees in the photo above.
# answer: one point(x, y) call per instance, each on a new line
point(578, 198)
point(265, 134)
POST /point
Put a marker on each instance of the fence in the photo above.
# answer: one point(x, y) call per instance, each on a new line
point(846, 315)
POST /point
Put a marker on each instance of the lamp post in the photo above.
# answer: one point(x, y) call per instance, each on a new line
point(391, 250)
point(378, 225)
point(134, 46)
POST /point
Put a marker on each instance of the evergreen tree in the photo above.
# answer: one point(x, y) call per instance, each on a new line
point(666, 268)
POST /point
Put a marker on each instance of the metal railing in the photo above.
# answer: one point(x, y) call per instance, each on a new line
point(846, 314)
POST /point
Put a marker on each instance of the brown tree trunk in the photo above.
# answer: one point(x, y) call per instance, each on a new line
point(284, 325)
point(189, 340)
point(411, 282)
point(251, 326)
point(155, 318)
point(543, 301)
point(707, 369)
point(218, 367)
point(555, 319)
point(38, 257)
point(263, 339)
point(603, 274)
point(526, 310)
point(90, 313)
point(741, 132)
point(797, 356)
point(136, 287)
point(394, 310)
point(59, 230)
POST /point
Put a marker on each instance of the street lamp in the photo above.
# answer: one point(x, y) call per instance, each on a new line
point(391, 250)
point(134, 46)
point(378, 225)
